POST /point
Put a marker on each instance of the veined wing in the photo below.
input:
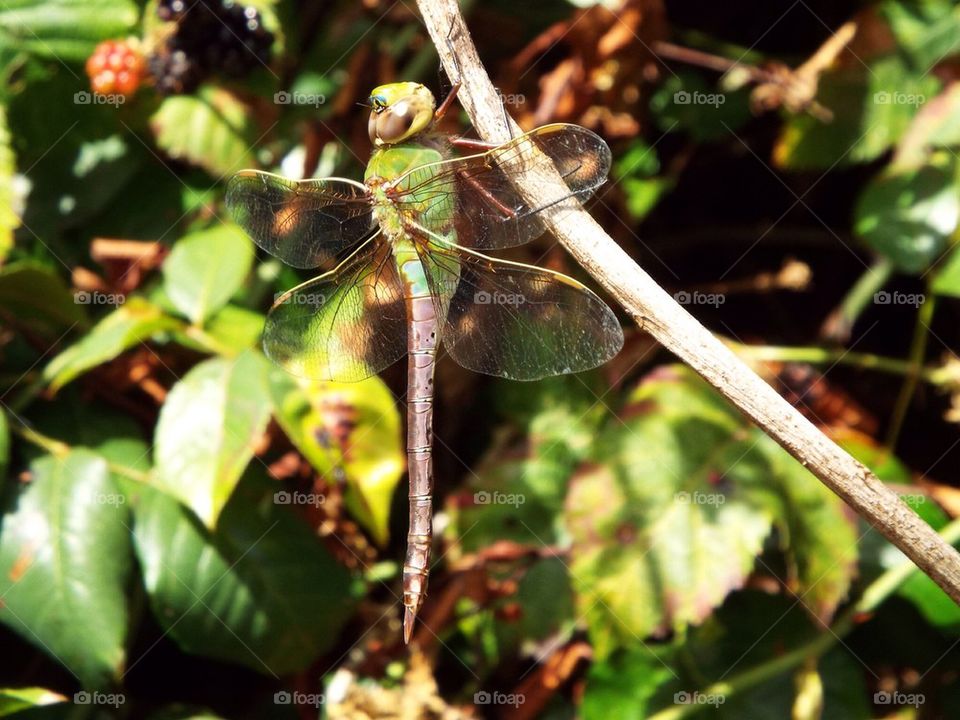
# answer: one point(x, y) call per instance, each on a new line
point(345, 325)
point(475, 195)
point(518, 321)
point(303, 222)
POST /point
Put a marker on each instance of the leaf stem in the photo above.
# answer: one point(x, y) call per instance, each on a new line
point(918, 349)
point(60, 449)
point(840, 322)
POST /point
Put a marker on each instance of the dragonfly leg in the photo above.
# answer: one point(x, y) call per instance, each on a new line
point(472, 144)
point(506, 212)
point(447, 102)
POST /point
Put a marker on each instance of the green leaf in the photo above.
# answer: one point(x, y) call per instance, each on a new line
point(818, 533)
point(908, 216)
point(926, 32)
point(370, 454)
point(35, 294)
point(937, 125)
point(211, 129)
point(946, 279)
point(622, 687)
point(236, 328)
point(205, 269)
point(872, 108)
point(130, 324)
point(673, 519)
point(9, 216)
point(261, 590)
point(63, 30)
point(207, 429)
point(13, 700)
point(64, 566)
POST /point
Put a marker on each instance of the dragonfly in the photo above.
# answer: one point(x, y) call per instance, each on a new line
point(408, 251)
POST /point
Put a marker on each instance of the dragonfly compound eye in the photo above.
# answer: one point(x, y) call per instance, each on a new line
point(409, 110)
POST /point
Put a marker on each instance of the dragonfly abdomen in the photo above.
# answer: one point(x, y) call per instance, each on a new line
point(422, 338)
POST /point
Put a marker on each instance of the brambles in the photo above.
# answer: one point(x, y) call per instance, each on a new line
point(116, 67)
point(210, 37)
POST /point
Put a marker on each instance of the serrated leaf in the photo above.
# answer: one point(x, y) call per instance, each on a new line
point(207, 429)
point(205, 269)
point(260, 590)
point(66, 531)
point(908, 216)
point(13, 700)
point(211, 129)
point(34, 293)
point(370, 454)
point(819, 535)
point(671, 517)
point(131, 323)
point(64, 30)
point(9, 218)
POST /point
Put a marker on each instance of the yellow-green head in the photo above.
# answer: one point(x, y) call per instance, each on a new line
point(399, 111)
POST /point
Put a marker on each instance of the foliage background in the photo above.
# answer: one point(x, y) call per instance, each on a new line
point(189, 532)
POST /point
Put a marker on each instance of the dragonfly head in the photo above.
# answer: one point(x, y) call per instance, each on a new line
point(399, 111)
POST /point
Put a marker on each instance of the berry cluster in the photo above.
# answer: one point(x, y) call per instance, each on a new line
point(211, 36)
point(116, 67)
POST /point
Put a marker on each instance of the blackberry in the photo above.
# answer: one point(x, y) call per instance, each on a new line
point(174, 72)
point(211, 37)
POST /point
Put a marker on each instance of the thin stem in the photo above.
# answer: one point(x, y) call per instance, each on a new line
point(840, 322)
point(828, 356)
point(60, 449)
point(874, 596)
point(656, 312)
point(918, 350)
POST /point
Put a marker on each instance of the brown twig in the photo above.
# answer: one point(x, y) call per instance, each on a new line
point(656, 312)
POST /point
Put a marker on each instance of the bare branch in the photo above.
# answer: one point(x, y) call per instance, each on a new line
point(657, 313)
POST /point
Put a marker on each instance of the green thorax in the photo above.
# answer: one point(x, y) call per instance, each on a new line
point(433, 209)
point(392, 161)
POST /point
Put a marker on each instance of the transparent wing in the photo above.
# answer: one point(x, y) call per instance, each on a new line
point(475, 196)
point(345, 325)
point(518, 321)
point(303, 222)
